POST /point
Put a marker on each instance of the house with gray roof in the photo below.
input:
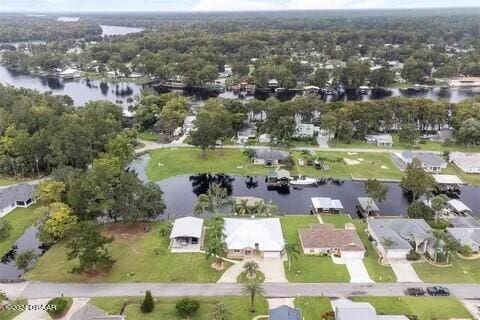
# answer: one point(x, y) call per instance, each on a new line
point(381, 140)
point(431, 162)
point(285, 313)
point(466, 231)
point(348, 310)
point(397, 237)
point(467, 162)
point(91, 312)
point(20, 195)
point(269, 157)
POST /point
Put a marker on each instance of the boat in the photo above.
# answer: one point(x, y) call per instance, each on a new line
point(303, 181)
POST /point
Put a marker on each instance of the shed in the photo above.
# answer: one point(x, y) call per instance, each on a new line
point(367, 206)
point(458, 206)
point(186, 235)
point(321, 204)
point(284, 313)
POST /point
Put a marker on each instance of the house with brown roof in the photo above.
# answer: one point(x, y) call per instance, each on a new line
point(325, 239)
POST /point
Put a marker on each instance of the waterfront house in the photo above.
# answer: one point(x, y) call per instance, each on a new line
point(367, 207)
point(17, 196)
point(269, 157)
point(381, 140)
point(326, 205)
point(325, 239)
point(458, 207)
point(397, 237)
point(348, 310)
point(284, 313)
point(464, 82)
point(305, 130)
point(467, 162)
point(186, 235)
point(249, 237)
point(430, 162)
point(466, 231)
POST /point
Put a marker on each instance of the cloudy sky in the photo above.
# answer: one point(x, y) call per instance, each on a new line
point(220, 5)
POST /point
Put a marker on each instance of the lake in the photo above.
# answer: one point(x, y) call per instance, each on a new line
point(118, 31)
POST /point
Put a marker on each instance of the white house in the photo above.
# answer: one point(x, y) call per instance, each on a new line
point(265, 138)
point(348, 310)
point(186, 235)
point(467, 162)
point(326, 205)
point(248, 237)
point(17, 196)
point(381, 140)
point(430, 162)
point(305, 130)
point(464, 82)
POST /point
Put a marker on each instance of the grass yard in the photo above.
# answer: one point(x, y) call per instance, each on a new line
point(338, 220)
point(20, 219)
point(472, 179)
point(171, 162)
point(426, 308)
point(313, 307)
point(6, 182)
point(145, 254)
point(309, 268)
point(370, 165)
point(461, 270)
point(148, 136)
point(239, 307)
point(11, 314)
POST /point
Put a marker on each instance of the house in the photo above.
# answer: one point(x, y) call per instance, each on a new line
point(249, 132)
point(284, 313)
point(265, 138)
point(381, 140)
point(273, 83)
point(186, 235)
point(17, 196)
point(189, 124)
point(270, 157)
point(91, 312)
point(458, 207)
point(467, 162)
point(348, 310)
point(325, 239)
point(395, 65)
point(469, 236)
point(397, 237)
point(441, 136)
point(430, 162)
point(464, 222)
point(326, 205)
point(305, 130)
point(464, 82)
point(367, 207)
point(249, 237)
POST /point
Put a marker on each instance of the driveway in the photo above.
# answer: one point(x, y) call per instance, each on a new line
point(272, 268)
point(230, 275)
point(473, 307)
point(356, 269)
point(34, 314)
point(404, 271)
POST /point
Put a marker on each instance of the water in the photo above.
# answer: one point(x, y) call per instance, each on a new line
point(118, 31)
point(80, 90)
point(28, 241)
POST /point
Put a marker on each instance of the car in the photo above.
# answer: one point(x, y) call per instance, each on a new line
point(418, 291)
point(438, 291)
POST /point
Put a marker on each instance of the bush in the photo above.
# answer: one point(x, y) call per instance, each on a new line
point(413, 256)
point(5, 229)
point(58, 306)
point(441, 224)
point(147, 303)
point(465, 251)
point(187, 307)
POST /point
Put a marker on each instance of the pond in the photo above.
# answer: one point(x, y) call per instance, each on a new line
point(118, 30)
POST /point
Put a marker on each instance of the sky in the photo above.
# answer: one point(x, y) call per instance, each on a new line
point(220, 5)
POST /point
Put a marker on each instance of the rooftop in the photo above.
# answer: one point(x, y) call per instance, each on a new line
point(458, 206)
point(266, 233)
point(187, 227)
point(428, 158)
point(326, 236)
point(284, 313)
point(396, 233)
point(326, 203)
point(447, 179)
point(464, 222)
point(466, 160)
point(270, 154)
point(19, 192)
point(367, 203)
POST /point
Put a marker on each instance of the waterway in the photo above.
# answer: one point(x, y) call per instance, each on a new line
point(118, 31)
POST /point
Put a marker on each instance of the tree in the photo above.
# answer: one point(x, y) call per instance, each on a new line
point(469, 132)
point(58, 221)
point(408, 133)
point(375, 190)
point(381, 77)
point(5, 229)
point(320, 78)
point(25, 259)
point(121, 146)
point(252, 289)
point(187, 307)
point(214, 201)
point(250, 268)
point(292, 252)
point(438, 203)
point(147, 305)
point(416, 180)
point(50, 191)
point(220, 312)
point(89, 246)
point(216, 248)
point(243, 208)
point(419, 210)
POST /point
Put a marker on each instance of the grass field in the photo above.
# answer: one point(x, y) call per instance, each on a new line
point(20, 219)
point(145, 254)
point(425, 308)
point(461, 270)
point(313, 307)
point(239, 308)
point(11, 314)
point(309, 268)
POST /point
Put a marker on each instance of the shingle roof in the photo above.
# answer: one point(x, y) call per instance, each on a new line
point(326, 236)
point(464, 222)
point(465, 236)
point(270, 154)
point(395, 233)
point(284, 313)
point(19, 192)
point(428, 158)
point(466, 160)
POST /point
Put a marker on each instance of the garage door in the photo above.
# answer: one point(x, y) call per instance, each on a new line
point(271, 254)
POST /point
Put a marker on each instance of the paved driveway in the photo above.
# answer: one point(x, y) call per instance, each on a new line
point(356, 269)
point(273, 269)
point(473, 307)
point(404, 271)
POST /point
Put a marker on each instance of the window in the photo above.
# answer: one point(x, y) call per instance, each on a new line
point(194, 240)
point(236, 250)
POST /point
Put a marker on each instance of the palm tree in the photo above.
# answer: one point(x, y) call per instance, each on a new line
point(438, 203)
point(250, 268)
point(214, 200)
point(216, 227)
point(252, 289)
point(264, 210)
point(216, 248)
point(292, 252)
point(220, 312)
point(202, 206)
point(243, 209)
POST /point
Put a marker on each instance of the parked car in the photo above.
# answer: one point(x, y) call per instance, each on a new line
point(415, 291)
point(438, 291)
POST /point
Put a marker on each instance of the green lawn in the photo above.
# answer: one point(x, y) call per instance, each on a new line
point(472, 179)
point(313, 307)
point(371, 165)
point(6, 182)
point(148, 136)
point(309, 268)
point(145, 254)
point(461, 270)
point(426, 308)
point(338, 220)
point(11, 314)
point(239, 308)
point(20, 219)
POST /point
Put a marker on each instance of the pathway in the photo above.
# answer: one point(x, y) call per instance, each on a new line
point(34, 314)
point(404, 271)
point(230, 275)
point(272, 269)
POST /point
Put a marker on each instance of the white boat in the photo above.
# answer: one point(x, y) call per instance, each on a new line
point(303, 181)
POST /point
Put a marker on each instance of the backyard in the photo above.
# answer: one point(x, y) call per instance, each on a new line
point(149, 251)
point(165, 307)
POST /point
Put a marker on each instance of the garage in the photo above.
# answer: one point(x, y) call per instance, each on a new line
point(271, 254)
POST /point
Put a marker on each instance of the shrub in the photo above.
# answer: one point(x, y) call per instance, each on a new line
point(413, 256)
point(441, 224)
point(5, 229)
point(58, 306)
point(465, 251)
point(187, 307)
point(147, 303)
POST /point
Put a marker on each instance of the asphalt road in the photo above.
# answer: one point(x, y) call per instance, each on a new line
point(35, 289)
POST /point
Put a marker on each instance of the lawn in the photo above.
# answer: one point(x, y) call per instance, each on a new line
point(313, 307)
point(338, 220)
point(171, 162)
point(239, 307)
point(6, 182)
point(425, 308)
point(461, 270)
point(144, 254)
point(11, 314)
point(371, 165)
point(309, 268)
point(149, 136)
point(472, 179)
point(20, 219)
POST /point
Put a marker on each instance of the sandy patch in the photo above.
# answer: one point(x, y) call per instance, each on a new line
point(352, 153)
point(385, 167)
point(360, 159)
point(351, 162)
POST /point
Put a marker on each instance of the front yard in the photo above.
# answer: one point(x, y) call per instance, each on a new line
point(461, 270)
point(313, 307)
point(141, 257)
point(238, 307)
